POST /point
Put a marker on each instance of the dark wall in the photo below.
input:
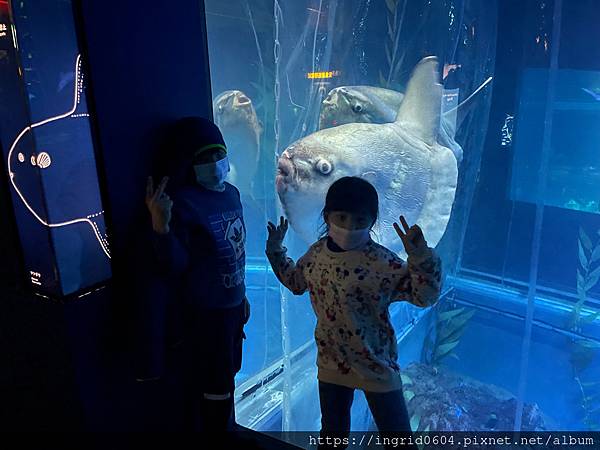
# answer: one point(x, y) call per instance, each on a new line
point(147, 64)
point(11, 266)
point(68, 365)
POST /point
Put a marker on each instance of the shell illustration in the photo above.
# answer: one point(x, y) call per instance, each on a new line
point(44, 160)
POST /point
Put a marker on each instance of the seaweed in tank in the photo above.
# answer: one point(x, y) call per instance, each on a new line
point(585, 351)
point(392, 42)
point(445, 332)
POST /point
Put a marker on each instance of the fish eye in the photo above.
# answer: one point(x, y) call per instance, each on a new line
point(324, 167)
point(357, 108)
point(220, 109)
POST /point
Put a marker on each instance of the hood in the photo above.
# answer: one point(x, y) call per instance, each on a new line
point(186, 137)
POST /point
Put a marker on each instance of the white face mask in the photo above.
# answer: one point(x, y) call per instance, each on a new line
point(212, 175)
point(349, 239)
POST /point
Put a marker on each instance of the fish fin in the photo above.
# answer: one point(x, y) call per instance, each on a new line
point(463, 109)
point(420, 108)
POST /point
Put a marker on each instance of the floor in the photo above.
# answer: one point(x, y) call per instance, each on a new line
point(60, 372)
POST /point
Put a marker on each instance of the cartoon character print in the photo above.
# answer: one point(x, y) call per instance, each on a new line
point(428, 266)
point(330, 313)
point(341, 273)
point(230, 236)
point(338, 291)
point(361, 273)
point(236, 236)
point(345, 335)
point(344, 367)
point(324, 279)
point(383, 335)
point(332, 352)
point(366, 355)
point(362, 307)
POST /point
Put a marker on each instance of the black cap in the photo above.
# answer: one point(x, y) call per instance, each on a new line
point(187, 136)
point(197, 133)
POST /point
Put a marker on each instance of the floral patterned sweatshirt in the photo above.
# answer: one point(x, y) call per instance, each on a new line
point(350, 293)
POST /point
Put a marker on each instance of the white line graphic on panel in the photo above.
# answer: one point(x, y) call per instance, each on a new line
point(43, 161)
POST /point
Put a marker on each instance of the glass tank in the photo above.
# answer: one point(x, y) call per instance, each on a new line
point(511, 208)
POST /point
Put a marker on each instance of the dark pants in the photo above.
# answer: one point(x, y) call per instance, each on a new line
point(388, 409)
point(213, 355)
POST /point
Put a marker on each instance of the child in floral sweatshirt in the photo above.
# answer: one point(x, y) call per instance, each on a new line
point(352, 281)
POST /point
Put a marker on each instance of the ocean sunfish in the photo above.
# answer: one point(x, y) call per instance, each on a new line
point(235, 115)
point(414, 174)
point(359, 104)
point(368, 104)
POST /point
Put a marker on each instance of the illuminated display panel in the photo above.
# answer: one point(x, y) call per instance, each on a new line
point(322, 75)
point(48, 150)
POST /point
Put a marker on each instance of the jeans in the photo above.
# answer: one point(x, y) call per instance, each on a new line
point(388, 409)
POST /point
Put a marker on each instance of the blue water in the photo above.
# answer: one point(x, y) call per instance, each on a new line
point(491, 347)
point(536, 181)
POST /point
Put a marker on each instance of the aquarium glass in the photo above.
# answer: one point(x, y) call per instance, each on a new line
point(275, 67)
point(530, 253)
point(520, 249)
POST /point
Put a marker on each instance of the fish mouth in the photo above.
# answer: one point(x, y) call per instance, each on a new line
point(329, 106)
point(329, 110)
point(241, 100)
point(326, 120)
point(285, 174)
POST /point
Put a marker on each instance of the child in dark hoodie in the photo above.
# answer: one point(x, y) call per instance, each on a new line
point(199, 238)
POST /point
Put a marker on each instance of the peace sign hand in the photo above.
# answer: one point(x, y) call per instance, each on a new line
point(276, 234)
point(412, 237)
point(159, 204)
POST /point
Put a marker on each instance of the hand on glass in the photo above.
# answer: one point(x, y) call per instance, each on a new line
point(412, 237)
point(277, 234)
point(159, 204)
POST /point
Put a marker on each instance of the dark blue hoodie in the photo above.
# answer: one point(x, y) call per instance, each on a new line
point(205, 247)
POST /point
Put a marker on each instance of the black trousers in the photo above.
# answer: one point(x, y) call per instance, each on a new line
point(212, 352)
point(388, 409)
